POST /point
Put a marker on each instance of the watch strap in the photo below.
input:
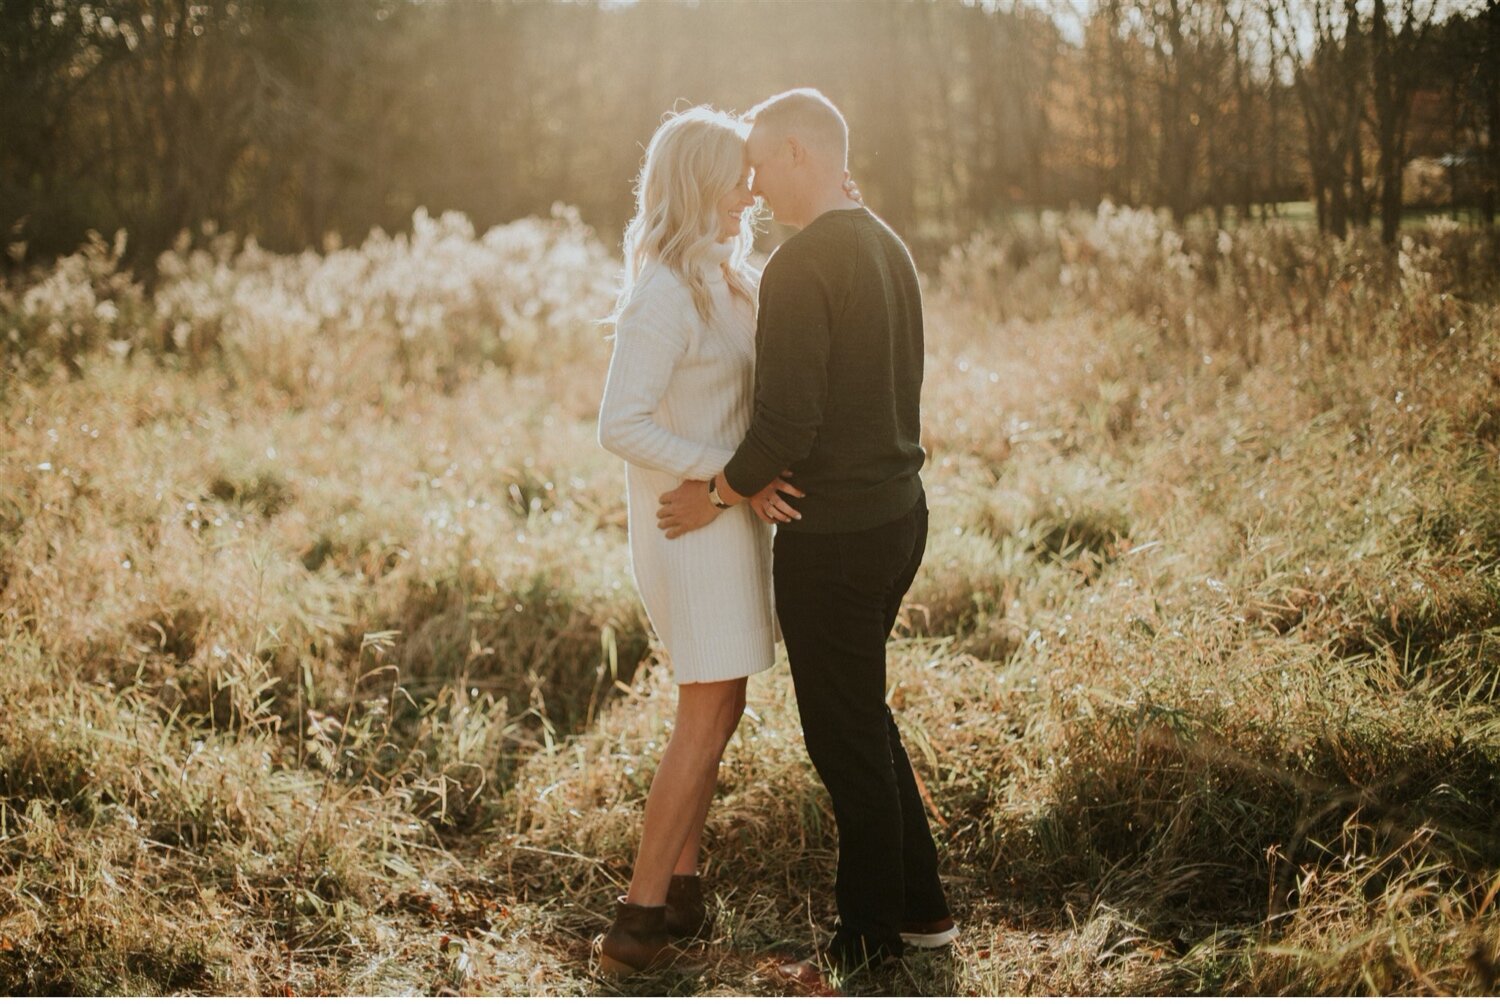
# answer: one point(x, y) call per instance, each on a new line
point(713, 494)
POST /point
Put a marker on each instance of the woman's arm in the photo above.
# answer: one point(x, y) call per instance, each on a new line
point(651, 338)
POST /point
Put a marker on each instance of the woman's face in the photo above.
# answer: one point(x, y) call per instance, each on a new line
point(732, 207)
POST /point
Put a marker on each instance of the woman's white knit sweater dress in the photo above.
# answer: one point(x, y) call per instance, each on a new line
point(676, 404)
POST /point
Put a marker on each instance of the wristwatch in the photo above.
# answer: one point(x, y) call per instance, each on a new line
point(713, 494)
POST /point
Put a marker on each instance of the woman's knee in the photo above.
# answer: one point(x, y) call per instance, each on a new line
point(732, 709)
point(712, 710)
point(730, 722)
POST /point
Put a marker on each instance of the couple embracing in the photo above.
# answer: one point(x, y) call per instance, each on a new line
point(790, 400)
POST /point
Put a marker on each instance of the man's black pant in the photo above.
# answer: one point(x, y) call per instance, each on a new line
point(837, 596)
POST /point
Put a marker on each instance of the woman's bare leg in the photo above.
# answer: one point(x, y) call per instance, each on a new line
point(687, 861)
point(707, 714)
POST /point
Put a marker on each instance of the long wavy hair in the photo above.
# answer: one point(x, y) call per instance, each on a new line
point(693, 161)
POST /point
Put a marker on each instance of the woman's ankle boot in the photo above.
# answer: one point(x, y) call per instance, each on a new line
point(636, 941)
point(687, 917)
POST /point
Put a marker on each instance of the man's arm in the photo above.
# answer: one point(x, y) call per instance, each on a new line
point(804, 285)
point(797, 302)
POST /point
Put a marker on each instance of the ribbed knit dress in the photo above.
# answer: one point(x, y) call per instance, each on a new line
point(677, 402)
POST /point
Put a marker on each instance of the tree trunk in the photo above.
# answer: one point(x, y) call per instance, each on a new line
point(1491, 187)
point(1396, 57)
point(1387, 95)
point(1353, 65)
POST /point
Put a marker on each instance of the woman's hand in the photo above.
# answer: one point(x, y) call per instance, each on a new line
point(685, 508)
point(769, 504)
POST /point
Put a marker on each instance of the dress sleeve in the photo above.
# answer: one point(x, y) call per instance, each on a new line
point(651, 338)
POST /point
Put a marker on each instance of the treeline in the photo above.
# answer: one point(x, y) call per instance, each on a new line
point(293, 120)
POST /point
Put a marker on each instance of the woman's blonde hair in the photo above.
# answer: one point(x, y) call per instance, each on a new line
point(694, 159)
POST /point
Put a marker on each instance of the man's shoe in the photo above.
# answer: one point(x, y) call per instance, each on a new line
point(850, 953)
point(687, 917)
point(846, 955)
point(806, 973)
point(637, 941)
point(820, 975)
point(930, 934)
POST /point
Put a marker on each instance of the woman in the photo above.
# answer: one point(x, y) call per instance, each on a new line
point(676, 403)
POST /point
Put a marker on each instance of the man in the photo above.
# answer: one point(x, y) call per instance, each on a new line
point(837, 390)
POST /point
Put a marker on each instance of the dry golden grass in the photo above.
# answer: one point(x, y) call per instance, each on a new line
point(323, 670)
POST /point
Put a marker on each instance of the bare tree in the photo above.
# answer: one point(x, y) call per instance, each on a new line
point(1396, 52)
point(1328, 79)
point(51, 55)
point(1490, 65)
point(288, 119)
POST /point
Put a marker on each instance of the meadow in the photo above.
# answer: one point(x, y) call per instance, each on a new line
point(322, 671)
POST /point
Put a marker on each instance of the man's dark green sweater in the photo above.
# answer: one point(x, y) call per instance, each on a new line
point(838, 376)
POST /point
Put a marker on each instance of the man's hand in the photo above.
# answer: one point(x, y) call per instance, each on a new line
point(771, 507)
point(685, 508)
point(852, 190)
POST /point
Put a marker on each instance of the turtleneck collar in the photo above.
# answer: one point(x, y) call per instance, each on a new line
point(720, 252)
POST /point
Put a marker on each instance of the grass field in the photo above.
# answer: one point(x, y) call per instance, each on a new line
point(323, 672)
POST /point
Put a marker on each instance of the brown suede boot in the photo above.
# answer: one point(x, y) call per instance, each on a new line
point(687, 917)
point(636, 941)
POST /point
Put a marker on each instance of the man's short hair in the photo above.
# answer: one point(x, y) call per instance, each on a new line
point(808, 114)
